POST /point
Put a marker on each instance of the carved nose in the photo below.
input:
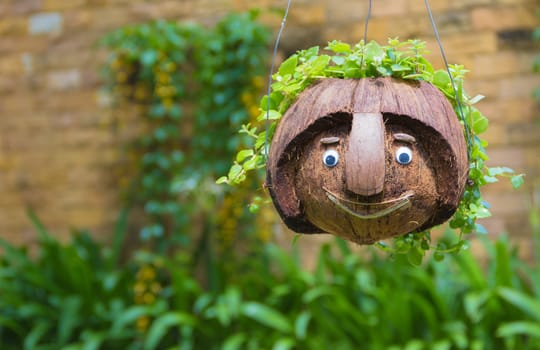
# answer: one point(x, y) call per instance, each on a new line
point(365, 157)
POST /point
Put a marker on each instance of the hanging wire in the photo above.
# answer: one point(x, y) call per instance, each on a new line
point(272, 66)
point(368, 17)
point(453, 83)
point(366, 25)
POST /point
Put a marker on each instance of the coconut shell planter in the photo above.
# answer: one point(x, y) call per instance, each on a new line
point(367, 159)
point(366, 144)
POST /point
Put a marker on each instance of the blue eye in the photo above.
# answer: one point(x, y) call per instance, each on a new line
point(404, 155)
point(330, 158)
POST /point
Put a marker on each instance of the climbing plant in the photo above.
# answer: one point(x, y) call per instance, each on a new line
point(403, 60)
point(192, 86)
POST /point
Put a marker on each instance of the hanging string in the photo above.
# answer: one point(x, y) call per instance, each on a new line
point(453, 83)
point(272, 66)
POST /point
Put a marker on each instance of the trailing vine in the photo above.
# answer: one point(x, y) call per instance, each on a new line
point(403, 60)
point(190, 85)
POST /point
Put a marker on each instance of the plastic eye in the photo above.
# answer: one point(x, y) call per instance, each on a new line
point(330, 158)
point(404, 155)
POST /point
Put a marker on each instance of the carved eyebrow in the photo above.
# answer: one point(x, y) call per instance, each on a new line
point(330, 140)
point(404, 137)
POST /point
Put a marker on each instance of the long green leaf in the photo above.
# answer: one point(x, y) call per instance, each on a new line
point(38, 225)
point(161, 326)
point(234, 342)
point(119, 237)
point(301, 324)
point(525, 303)
point(33, 338)
point(530, 329)
point(129, 317)
point(267, 316)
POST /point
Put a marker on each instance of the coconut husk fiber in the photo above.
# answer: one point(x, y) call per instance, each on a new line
point(368, 195)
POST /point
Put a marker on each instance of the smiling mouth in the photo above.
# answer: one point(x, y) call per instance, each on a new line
point(389, 206)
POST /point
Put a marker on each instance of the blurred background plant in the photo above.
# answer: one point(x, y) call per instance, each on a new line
point(206, 275)
point(193, 87)
point(78, 296)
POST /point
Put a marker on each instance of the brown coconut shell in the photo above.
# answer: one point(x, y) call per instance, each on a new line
point(329, 104)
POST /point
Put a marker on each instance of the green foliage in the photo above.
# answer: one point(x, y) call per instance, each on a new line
point(66, 294)
point(73, 296)
point(403, 60)
point(188, 83)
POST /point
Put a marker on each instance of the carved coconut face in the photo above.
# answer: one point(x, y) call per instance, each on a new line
point(335, 168)
point(367, 179)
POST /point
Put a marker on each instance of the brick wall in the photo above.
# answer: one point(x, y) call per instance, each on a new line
point(57, 144)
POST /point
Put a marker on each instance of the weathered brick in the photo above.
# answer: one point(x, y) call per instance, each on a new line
point(343, 15)
point(469, 4)
point(496, 64)
point(496, 135)
point(389, 8)
point(63, 79)
point(11, 65)
point(60, 5)
point(507, 17)
point(435, 5)
point(78, 20)
point(471, 43)
point(507, 203)
point(524, 133)
point(13, 26)
point(513, 157)
point(350, 33)
point(45, 23)
point(308, 14)
point(12, 44)
point(19, 7)
point(509, 110)
point(486, 87)
point(518, 86)
point(382, 28)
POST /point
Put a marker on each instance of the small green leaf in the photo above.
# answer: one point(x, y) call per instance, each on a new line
point(499, 171)
point(339, 47)
point(374, 52)
point(338, 60)
point(399, 68)
point(149, 57)
point(269, 115)
point(254, 208)
point(517, 181)
point(222, 180)
point(476, 99)
point(415, 256)
point(288, 66)
point(319, 64)
point(479, 122)
point(441, 80)
point(243, 154)
point(480, 212)
point(480, 229)
point(384, 71)
point(235, 171)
